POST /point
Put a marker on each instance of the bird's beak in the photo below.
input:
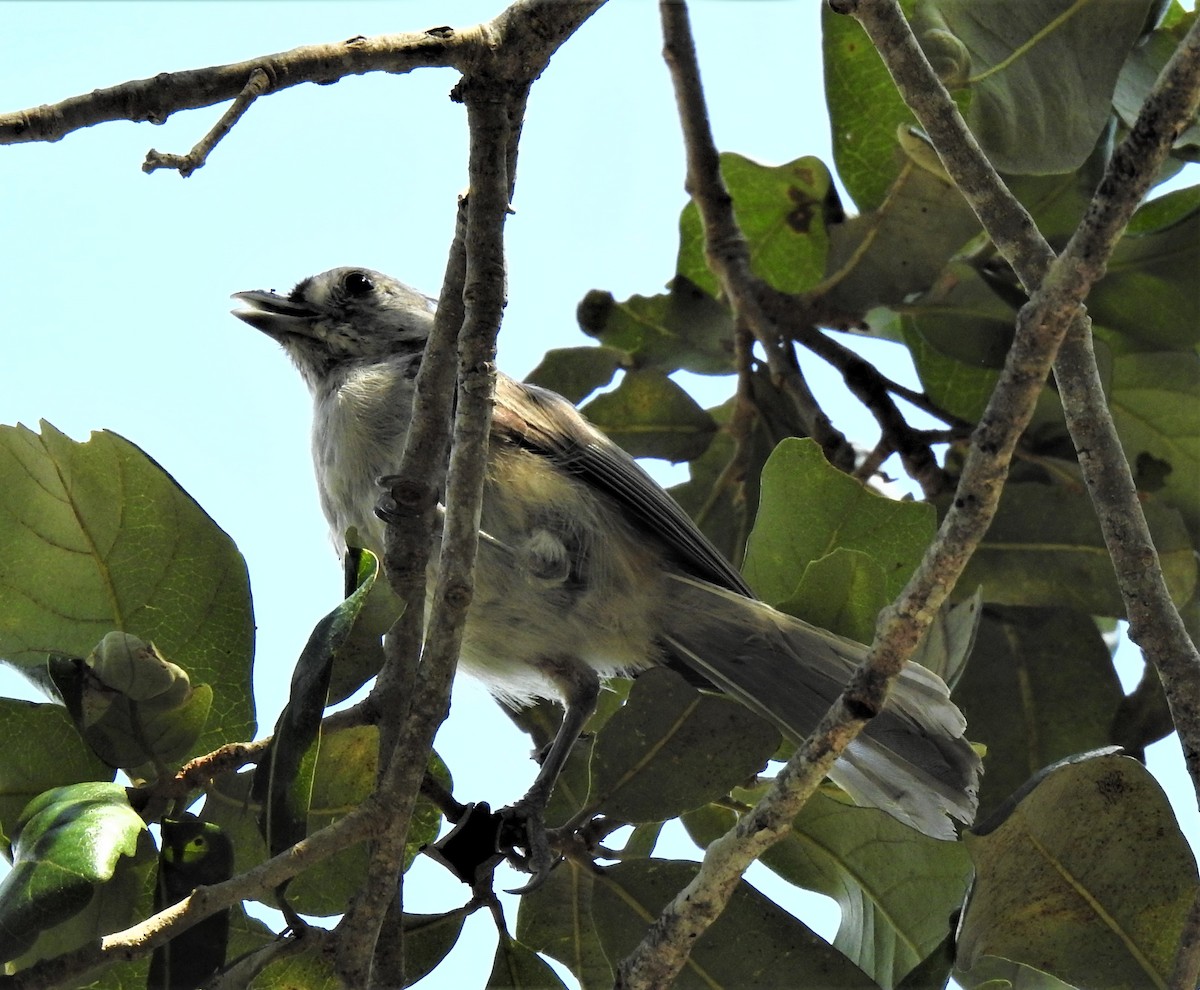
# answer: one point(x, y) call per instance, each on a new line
point(275, 315)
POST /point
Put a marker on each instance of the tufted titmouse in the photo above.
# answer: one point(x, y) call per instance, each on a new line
point(588, 569)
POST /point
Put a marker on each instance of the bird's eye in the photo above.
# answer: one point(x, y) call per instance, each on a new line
point(358, 284)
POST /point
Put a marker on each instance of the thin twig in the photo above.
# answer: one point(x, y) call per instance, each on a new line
point(258, 83)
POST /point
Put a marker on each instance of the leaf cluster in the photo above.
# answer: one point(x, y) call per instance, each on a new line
point(130, 607)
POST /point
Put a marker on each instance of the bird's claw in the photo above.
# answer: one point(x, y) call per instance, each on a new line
point(523, 828)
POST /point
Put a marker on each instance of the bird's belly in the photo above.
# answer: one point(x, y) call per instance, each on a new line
point(522, 631)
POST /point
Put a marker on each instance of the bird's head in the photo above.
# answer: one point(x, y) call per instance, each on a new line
point(342, 317)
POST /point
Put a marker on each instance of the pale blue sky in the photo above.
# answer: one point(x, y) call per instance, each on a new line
point(116, 284)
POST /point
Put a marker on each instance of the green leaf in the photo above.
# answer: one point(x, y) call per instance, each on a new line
point(1154, 401)
point(782, 212)
point(684, 329)
point(897, 889)
point(650, 416)
point(343, 777)
point(809, 508)
point(53, 754)
point(556, 920)
point(576, 372)
point(885, 255)
point(1041, 76)
point(1045, 547)
point(519, 967)
point(1040, 686)
point(1087, 877)
point(1148, 294)
point(99, 537)
point(842, 592)
point(1141, 70)
point(135, 708)
point(428, 939)
point(671, 748)
point(285, 792)
point(753, 943)
point(865, 110)
point(67, 843)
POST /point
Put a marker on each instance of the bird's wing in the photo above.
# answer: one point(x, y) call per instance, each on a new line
point(545, 423)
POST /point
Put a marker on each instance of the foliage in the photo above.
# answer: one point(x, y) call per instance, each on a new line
point(1077, 868)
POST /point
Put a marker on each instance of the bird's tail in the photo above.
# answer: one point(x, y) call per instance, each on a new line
point(912, 759)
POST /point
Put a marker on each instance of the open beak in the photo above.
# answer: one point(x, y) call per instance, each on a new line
point(275, 315)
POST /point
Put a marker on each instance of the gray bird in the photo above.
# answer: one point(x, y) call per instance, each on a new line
point(587, 569)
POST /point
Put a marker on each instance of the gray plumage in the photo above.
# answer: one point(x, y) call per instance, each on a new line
point(588, 568)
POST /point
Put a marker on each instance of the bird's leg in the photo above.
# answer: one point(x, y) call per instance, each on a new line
point(525, 826)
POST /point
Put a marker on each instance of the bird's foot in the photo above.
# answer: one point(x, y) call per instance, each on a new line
point(526, 843)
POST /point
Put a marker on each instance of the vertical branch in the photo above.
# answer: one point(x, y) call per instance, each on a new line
point(725, 247)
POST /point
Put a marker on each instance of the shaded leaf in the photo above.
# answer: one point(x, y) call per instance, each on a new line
point(685, 328)
point(898, 889)
point(958, 334)
point(1087, 877)
point(576, 372)
point(753, 943)
point(1148, 293)
point(53, 754)
point(428, 939)
point(808, 508)
point(782, 212)
point(556, 919)
point(650, 416)
point(884, 256)
point(672, 748)
point(134, 707)
point(1155, 408)
point(193, 854)
point(519, 967)
point(283, 792)
point(1040, 686)
point(540, 721)
point(1045, 547)
point(98, 538)
point(1041, 76)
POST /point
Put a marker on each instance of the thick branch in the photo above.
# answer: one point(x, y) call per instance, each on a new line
point(157, 98)
point(473, 298)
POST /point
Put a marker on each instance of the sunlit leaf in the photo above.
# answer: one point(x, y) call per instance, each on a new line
point(98, 537)
point(809, 508)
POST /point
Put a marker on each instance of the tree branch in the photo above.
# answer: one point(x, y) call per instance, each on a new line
point(725, 248)
point(157, 98)
point(1041, 327)
point(523, 39)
